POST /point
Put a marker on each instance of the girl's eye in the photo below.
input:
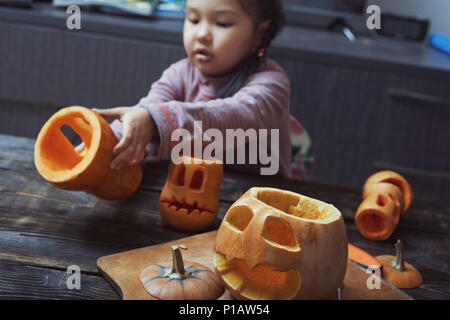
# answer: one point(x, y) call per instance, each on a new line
point(224, 24)
point(193, 21)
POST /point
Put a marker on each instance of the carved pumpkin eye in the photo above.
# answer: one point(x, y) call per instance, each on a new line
point(278, 232)
point(197, 180)
point(239, 217)
point(396, 215)
point(178, 176)
point(381, 200)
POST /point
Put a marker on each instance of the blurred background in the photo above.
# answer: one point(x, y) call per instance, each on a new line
point(370, 99)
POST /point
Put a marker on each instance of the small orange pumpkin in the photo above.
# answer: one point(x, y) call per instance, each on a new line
point(57, 161)
point(276, 244)
point(177, 282)
point(399, 272)
point(189, 200)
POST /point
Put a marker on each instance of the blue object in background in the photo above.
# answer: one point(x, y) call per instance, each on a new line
point(440, 41)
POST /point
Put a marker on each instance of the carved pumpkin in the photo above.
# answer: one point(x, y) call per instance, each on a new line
point(276, 244)
point(396, 181)
point(189, 200)
point(377, 216)
point(387, 196)
point(57, 161)
point(177, 282)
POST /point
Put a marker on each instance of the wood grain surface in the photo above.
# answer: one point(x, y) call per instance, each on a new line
point(43, 230)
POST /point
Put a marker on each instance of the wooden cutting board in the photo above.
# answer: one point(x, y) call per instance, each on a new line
point(122, 270)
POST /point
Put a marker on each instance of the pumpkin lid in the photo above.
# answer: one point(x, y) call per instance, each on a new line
point(399, 272)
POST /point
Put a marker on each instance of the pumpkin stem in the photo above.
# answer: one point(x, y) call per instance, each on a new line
point(178, 271)
point(399, 262)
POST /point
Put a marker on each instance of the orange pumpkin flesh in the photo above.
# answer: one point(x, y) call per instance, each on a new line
point(276, 244)
point(57, 161)
point(189, 200)
point(362, 257)
point(260, 283)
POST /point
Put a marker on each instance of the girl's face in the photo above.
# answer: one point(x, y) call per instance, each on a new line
point(218, 35)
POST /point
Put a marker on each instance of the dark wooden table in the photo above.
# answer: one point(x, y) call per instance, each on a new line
point(43, 229)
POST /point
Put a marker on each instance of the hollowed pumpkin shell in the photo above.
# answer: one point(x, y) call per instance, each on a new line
point(377, 216)
point(396, 181)
point(276, 244)
point(59, 163)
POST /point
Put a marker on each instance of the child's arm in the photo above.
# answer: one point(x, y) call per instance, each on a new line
point(262, 104)
point(134, 127)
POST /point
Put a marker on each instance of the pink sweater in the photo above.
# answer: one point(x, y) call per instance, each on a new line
point(183, 95)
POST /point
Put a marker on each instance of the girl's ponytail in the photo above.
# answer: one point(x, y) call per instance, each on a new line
point(259, 10)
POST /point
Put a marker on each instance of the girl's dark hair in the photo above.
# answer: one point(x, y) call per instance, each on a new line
point(259, 11)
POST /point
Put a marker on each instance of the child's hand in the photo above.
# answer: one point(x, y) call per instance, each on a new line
point(138, 129)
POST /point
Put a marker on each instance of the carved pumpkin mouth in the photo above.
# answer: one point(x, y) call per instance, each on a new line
point(184, 207)
point(262, 282)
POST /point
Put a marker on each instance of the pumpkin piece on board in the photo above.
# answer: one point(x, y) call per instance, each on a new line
point(59, 163)
point(189, 200)
point(394, 178)
point(276, 244)
point(377, 216)
point(397, 271)
point(177, 282)
point(362, 258)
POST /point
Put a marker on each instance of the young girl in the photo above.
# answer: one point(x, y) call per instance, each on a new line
point(225, 82)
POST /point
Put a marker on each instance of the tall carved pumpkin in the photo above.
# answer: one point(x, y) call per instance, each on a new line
point(59, 163)
point(189, 200)
point(276, 244)
point(386, 197)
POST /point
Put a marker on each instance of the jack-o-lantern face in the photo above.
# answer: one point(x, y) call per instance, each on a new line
point(189, 200)
point(276, 244)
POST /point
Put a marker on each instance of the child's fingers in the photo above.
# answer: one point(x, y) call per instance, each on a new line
point(119, 161)
point(113, 113)
point(123, 158)
point(130, 156)
point(127, 138)
point(139, 155)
